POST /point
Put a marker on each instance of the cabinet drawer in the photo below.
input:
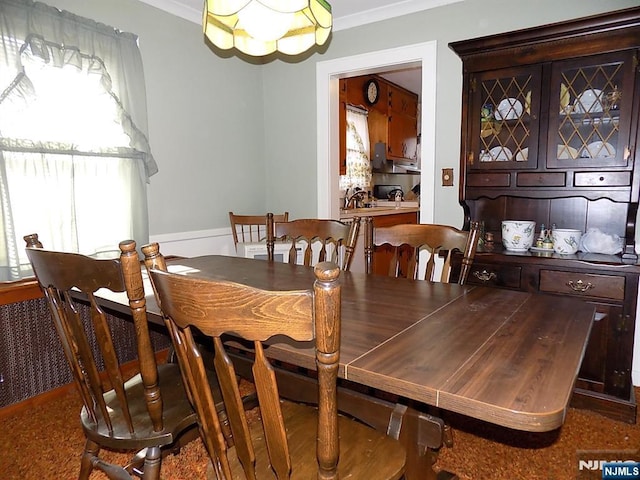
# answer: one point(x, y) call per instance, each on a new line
point(499, 276)
point(488, 179)
point(582, 284)
point(602, 179)
point(532, 179)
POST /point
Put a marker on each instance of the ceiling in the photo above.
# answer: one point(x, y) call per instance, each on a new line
point(346, 13)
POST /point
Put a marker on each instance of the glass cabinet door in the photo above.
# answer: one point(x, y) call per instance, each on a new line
point(505, 107)
point(590, 111)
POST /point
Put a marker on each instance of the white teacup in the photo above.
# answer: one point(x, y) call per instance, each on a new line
point(565, 240)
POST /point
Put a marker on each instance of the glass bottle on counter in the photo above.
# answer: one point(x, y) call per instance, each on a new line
point(540, 239)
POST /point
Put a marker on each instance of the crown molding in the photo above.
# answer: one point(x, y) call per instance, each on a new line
point(363, 17)
point(177, 8)
point(395, 9)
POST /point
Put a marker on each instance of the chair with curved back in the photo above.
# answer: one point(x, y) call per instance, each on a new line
point(145, 414)
point(287, 440)
point(251, 228)
point(317, 240)
point(437, 240)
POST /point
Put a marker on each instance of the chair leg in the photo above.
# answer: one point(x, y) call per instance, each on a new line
point(90, 452)
point(152, 464)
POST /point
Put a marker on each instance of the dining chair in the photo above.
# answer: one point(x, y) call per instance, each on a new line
point(440, 241)
point(251, 228)
point(145, 414)
point(286, 440)
point(315, 240)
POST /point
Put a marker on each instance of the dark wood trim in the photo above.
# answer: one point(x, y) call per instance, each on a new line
point(19, 291)
point(41, 399)
point(28, 289)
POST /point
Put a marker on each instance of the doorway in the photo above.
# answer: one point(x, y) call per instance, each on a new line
point(329, 73)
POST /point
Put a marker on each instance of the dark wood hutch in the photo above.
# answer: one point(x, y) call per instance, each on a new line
point(549, 133)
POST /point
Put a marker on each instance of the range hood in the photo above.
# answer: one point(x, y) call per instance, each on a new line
point(380, 163)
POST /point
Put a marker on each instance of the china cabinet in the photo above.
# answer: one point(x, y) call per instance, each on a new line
point(549, 133)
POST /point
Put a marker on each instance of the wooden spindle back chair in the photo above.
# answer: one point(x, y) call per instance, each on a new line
point(435, 239)
point(290, 440)
point(145, 414)
point(252, 228)
point(333, 240)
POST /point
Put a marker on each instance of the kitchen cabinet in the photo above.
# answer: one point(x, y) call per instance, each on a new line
point(401, 137)
point(549, 134)
point(402, 129)
point(384, 253)
point(381, 217)
point(392, 120)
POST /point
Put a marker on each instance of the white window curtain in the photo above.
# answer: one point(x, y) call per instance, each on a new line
point(358, 172)
point(74, 154)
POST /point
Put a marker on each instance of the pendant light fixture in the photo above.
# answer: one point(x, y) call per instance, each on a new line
point(261, 27)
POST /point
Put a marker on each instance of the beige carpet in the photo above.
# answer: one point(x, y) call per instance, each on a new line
point(45, 441)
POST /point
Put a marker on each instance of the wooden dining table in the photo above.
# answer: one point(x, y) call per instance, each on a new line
point(408, 347)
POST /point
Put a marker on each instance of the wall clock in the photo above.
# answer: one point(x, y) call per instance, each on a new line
point(371, 91)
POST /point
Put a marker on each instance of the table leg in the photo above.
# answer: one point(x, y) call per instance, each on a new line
point(422, 436)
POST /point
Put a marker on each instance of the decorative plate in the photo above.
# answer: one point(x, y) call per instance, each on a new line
point(522, 155)
point(508, 109)
point(588, 101)
point(598, 150)
point(500, 154)
point(565, 152)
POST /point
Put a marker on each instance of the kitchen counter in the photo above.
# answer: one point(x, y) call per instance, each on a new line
point(383, 208)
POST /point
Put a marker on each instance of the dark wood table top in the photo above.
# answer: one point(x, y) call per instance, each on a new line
point(506, 357)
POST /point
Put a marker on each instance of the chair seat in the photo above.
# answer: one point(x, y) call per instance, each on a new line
point(178, 414)
point(364, 452)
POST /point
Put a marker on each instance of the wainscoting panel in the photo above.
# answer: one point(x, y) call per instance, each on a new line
point(31, 357)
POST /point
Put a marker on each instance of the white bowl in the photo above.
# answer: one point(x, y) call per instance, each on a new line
point(565, 240)
point(517, 235)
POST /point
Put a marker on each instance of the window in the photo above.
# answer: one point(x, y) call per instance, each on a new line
point(358, 165)
point(74, 154)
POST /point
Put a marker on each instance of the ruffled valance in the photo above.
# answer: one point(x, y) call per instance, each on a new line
point(39, 34)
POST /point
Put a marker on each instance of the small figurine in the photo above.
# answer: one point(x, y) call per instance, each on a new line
point(488, 241)
point(547, 242)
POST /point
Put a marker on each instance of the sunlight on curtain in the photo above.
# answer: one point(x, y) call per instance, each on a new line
point(358, 165)
point(74, 154)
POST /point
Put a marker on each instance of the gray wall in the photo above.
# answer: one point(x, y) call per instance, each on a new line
point(235, 135)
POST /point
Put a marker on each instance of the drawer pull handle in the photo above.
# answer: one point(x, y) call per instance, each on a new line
point(580, 286)
point(484, 276)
